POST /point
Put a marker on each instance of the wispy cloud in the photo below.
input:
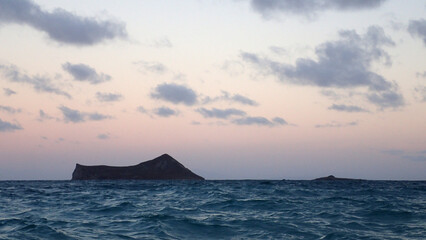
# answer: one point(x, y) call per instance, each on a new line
point(174, 93)
point(108, 97)
point(60, 25)
point(75, 116)
point(39, 83)
point(335, 124)
point(84, 73)
point(154, 67)
point(9, 110)
point(417, 28)
point(220, 113)
point(346, 108)
point(44, 116)
point(8, 92)
point(260, 121)
point(9, 127)
point(309, 8)
point(233, 98)
point(103, 136)
point(165, 112)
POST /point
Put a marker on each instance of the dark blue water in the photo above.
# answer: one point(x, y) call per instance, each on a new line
point(212, 210)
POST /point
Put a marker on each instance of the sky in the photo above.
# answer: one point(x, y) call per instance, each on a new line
point(242, 89)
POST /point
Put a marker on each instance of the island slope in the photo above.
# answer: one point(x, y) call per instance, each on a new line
point(163, 167)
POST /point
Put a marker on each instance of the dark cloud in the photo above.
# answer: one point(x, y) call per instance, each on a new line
point(165, 112)
point(309, 8)
point(103, 136)
point(417, 28)
point(175, 93)
point(154, 67)
point(60, 25)
point(43, 116)
point(220, 113)
point(236, 98)
point(108, 97)
point(334, 124)
point(9, 110)
point(260, 121)
point(346, 108)
point(75, 116)
point(40, 84)
point(8, 92)
point(344, 64)
point(85, 73)
point(8, 127)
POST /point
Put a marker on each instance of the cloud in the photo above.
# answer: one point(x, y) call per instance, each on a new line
point(8, 127)
point(8, 92)
point(346, 108)
point(174, 93)
point(162, 43)
point(279, 121)
point(43, 116)
point(85, 73)
point(165, 112)
point(420, 93)
point(335, 124)
point(278, 50)
point(417, 28)
point(40, 84)
point(260, 121)
point(108, 97)
point(75, 116)
point(423, 75)
point(60, 25)
point(220, 113)
point(386, 99)
point(235, 98)
point(154, 67)
point(142, 109)
point(9, 110)
point(103, 136)
point(344, 63)
point(309, 8)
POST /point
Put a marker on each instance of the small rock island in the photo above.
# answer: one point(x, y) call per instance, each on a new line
point(333, 178)
point(163, 167)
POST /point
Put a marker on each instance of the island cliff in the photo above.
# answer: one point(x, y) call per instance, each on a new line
point(163, 167)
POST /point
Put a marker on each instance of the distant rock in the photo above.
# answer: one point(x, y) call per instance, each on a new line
point(333, 178)
point(163, 167)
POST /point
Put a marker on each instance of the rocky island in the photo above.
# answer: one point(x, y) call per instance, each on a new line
point(333, 178)
point(163, 167)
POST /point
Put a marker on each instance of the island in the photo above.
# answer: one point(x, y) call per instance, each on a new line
point(333, 178)
point(163, 167)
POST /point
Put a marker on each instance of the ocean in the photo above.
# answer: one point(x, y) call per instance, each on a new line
point(249, 209)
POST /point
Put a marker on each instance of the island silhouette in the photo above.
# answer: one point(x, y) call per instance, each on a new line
point(163, 167)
